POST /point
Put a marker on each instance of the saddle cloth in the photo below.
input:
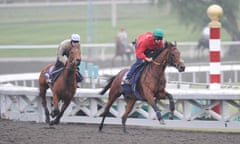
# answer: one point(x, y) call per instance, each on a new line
point(54, 74)
point(126, 88)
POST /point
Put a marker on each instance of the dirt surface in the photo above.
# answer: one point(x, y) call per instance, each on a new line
point(39, 133)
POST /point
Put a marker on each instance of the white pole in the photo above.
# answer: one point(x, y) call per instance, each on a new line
point(114, 13)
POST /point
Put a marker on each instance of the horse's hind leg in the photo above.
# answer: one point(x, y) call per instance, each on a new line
point(171, 106)
point(111, 99)
point(130, 104)
point(42, 94)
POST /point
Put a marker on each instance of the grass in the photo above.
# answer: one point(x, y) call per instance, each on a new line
point(51, 25)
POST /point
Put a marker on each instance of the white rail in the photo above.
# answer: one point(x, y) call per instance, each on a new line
point(22, 103)
point(103, 51)
point(100, 45)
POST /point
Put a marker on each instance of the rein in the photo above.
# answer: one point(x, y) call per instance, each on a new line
point(159, 63)
point(156, 63)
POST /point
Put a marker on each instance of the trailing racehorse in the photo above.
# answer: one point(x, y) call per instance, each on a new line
point(63, 88)
point(151, 84)
point(123, 49)
point(203, 44)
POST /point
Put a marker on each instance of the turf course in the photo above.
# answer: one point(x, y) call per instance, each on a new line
point(51, 25)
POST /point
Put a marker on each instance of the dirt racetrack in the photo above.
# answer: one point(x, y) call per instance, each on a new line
point(12, 132)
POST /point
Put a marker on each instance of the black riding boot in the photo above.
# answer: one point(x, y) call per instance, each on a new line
point(79, 77)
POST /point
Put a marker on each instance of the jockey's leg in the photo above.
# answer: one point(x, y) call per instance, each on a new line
point(80, 78)
point(55, 70)
point(131, 71)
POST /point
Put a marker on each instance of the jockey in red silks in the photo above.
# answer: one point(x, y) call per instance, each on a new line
point(145, 43)
point(62, 51)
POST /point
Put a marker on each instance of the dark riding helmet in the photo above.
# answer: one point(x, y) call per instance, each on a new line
point(158, 34)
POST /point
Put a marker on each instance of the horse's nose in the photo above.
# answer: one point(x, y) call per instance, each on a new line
point(78, 61)
point(181, 68)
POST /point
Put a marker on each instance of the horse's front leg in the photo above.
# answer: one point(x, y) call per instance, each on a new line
point(64, 107)
point(153, 103)
point(171, 105)
point(55, 110)
point(158, 113)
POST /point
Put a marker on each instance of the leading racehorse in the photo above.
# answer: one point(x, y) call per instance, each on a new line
point(151, 84)
point(63, 88)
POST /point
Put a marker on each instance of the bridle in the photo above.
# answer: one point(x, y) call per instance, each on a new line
point(170, 59)
point(72, 62)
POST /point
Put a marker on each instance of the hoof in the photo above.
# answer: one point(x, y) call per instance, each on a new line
point(47, 121)
point(51, 123)
point(162, 122)
point(54, 122)
point(100, 129)
point(55, 113)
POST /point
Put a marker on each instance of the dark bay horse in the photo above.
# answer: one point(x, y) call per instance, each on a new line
point(151, 84)
point(203, 44)
point(123, 51)
point(64, 87)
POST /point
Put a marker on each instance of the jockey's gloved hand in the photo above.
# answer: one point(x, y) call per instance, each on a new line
point(149, 59)
point(63, 60)
point(165, 44)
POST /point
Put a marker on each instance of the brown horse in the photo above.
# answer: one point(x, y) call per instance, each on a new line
point(151, 84)
point(64, 87)
point(121, 51)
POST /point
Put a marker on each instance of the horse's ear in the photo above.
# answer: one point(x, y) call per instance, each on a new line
point(165, 44)
point(175, 43)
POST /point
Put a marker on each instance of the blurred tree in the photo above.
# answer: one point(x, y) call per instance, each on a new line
point(193, 12)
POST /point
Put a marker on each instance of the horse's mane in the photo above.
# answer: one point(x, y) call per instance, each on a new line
point(156, 52)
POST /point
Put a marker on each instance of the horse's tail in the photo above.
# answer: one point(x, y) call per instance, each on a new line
point(107, 86)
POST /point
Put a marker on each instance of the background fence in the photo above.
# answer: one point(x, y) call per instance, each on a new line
point(193, 106)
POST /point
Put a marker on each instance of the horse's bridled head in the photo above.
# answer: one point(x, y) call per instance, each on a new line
point(180, 66)
point(176, 60)
point(78, 61)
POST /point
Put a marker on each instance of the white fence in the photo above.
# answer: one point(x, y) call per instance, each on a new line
point(230, 74)
point(103, 51)
point(193, 106)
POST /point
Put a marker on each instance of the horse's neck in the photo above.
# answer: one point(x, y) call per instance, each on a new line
point(68, 74)
point(162, 60)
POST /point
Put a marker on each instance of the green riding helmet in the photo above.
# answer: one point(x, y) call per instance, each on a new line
point(158, 33)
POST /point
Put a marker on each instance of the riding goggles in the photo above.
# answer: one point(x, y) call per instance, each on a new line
point(158, 38)
point(75, 41)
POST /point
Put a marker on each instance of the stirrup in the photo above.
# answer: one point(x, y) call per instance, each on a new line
point(78, 85)
point(49, 81)
point(127, 81)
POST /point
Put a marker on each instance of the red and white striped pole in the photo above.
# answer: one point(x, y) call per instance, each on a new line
point(214, 13)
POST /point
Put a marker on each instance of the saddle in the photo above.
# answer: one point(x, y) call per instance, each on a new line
point(126, 88)
point(54, 73)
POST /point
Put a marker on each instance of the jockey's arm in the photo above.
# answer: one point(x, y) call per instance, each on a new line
point(60, 54)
